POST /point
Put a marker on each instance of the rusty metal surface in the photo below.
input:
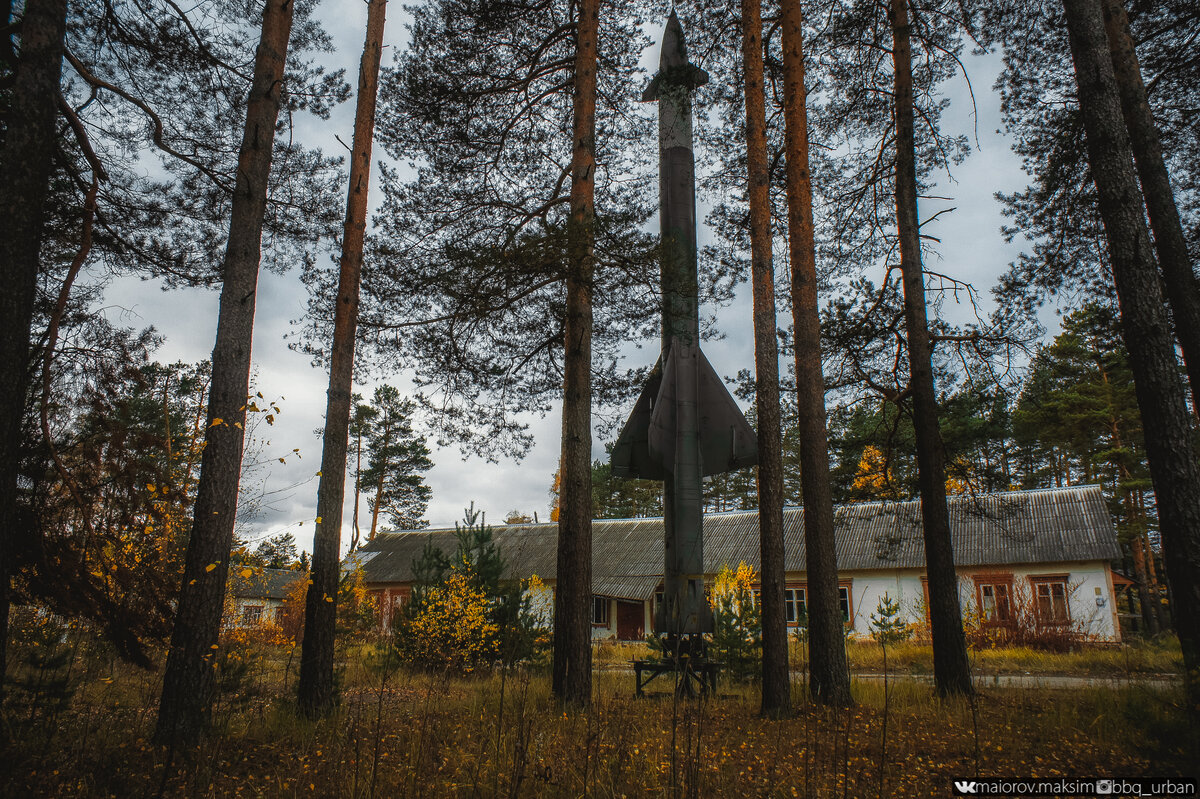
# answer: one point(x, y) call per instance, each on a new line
point(1046, 526)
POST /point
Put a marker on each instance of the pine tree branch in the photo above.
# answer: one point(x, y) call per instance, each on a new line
point(156, 121)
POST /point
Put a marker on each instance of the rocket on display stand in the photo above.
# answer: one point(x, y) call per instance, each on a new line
point(685, 424)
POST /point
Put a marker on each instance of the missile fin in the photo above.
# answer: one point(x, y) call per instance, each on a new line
point(650, 93)
point(727, 441)
point(646, 446)
point(631, 455)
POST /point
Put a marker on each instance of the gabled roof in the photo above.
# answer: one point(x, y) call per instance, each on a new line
point(1043, 526)
point(263, 583)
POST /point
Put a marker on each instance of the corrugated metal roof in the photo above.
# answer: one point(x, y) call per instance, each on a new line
point(1043, 526)
point(263, 583)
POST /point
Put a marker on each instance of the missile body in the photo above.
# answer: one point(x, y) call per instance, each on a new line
point(684, 425)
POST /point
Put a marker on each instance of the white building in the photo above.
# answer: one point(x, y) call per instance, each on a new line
point(1039, 558)
point(260, 597)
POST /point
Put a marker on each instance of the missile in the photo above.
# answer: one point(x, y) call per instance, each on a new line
point(684, 425)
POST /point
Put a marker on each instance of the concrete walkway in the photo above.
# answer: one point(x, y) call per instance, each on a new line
point(1041, 680)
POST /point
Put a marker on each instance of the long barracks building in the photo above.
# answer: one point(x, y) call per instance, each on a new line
point(1041, 557)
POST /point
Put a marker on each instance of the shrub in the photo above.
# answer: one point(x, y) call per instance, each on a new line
point(1024, 627)
point(450, 627)
point(737, 623)
point(462, 614)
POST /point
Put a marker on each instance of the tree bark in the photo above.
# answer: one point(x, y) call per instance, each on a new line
point(1174, 469)
point(1183, 293)
point(1149, 619)
point(316, 687)
point(572, 671)
point(830, 677)
point(951, 668)
point(776, 691)
point(1161, 613)
point(188, 680)
point(354, 539)
point(28, 158)
point(383, 469)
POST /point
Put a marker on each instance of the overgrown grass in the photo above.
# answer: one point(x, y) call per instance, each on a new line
point(397, 733)
point(1137, 658)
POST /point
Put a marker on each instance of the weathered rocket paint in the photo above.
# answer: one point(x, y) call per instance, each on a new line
point(684, 425)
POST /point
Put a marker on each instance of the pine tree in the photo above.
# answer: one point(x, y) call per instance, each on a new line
point(1169, 444)
point(1058, 213)
point(952, 670)
point(572, 663)
point(776, 691)
point(361, 424)
point(1079, 411)
point(188, 678)
point(316, 687)
point(25, 166)
point(1182, 290)
point(830, 675)
point(397, 458)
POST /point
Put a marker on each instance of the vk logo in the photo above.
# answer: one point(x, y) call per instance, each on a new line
point(964, 787)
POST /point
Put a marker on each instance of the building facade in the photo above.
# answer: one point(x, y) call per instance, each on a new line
point(1040, 558)
point(259, 596)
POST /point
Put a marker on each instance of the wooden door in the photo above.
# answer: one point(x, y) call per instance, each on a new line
point(631, 621)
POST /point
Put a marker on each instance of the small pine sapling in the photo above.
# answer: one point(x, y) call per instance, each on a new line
point(886, 628)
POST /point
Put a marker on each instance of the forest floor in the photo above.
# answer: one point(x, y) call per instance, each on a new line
point(415, 735)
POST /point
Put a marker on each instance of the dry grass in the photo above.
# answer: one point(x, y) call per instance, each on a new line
point(401, 734)
point(1134, 659)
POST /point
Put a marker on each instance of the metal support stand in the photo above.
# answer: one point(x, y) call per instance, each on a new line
point(685, 657)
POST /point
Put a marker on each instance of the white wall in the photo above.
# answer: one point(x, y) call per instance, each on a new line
point(268, 612)
point(1089, 588)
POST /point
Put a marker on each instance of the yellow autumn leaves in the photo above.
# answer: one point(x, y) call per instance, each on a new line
point(453, 629)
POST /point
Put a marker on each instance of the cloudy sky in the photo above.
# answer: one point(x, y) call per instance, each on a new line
point(971, 249)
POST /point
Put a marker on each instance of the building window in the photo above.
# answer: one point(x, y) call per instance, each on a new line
point(252, 614)
point(600, 611)
point(795, 604)
point(993, 592)
point(1050, 599)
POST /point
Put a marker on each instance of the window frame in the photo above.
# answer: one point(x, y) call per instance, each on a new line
point(845, 592)
point(601, 603)
point(995, 581)
point(252, 614)
point(792, 605)
point(1036, 581)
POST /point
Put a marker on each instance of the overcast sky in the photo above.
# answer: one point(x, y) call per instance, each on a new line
point(972, 249)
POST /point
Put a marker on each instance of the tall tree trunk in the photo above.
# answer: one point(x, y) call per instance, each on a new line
point(383, 469)
point(1149, 619)
point(1161, 615)
point(1174, 470)
point(776, 691)
point(951, 668)
point(28, 158)
point(357, 494)
point(189, 676)
point(572, 672)
point(1182, 290)
point(316, 688)
point(830, 678)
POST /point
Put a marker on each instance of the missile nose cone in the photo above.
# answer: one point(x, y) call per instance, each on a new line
point(673, 52)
